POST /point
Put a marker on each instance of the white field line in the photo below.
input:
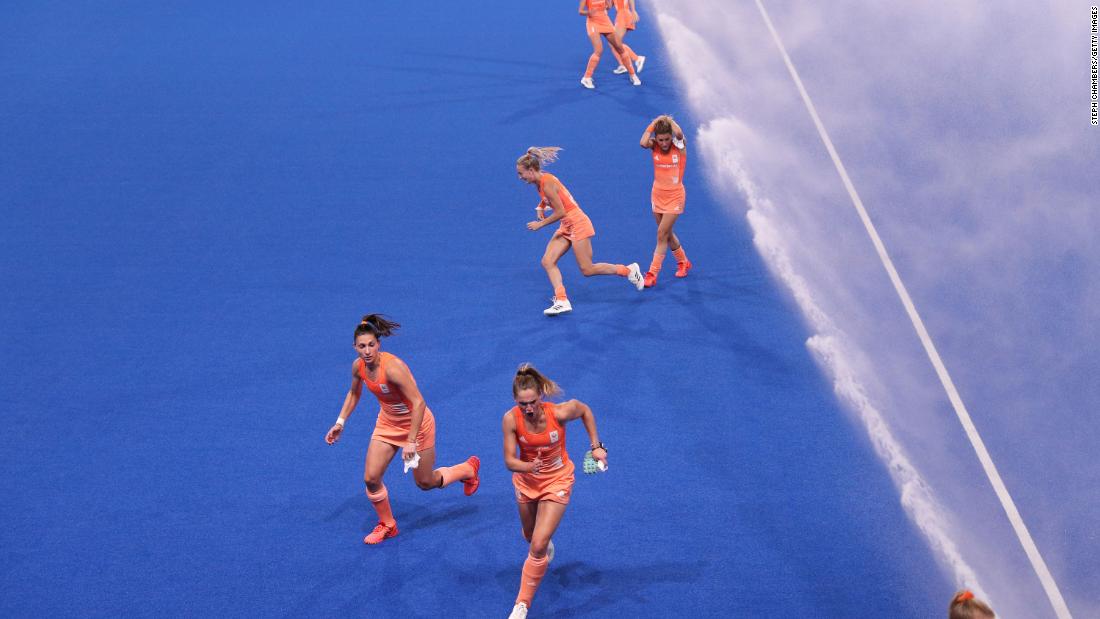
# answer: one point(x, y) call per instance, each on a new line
point(1028, 544)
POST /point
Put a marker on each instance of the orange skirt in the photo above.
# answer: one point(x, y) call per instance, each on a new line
point(625, 18)
point(532, 489)
point(669, 201)
point(393, 431)
point(576, 226)
point(600, 25)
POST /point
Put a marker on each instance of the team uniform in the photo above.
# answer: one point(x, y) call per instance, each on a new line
point(576, 225)
point(598, 21)
point(395, 411)
point(555, 481)
point(668, 195)
point(623, 17)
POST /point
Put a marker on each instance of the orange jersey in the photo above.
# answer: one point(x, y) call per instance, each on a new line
point(563, 194)
point(394, 403)
point(548, 446)
point(668, 169)
point(623, 15)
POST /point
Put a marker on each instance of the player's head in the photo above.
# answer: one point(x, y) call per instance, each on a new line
point(662, 132)
point(965, 606)
point(529, 387)
point(371, 329)
point(530, 163)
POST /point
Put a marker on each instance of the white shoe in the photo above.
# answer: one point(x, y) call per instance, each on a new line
point(587, 83)
point(519, 611)
point(634, 79)
point(550, 552)
point(561, 306)
point(639, 63)
point(619, 70)
point(635, 277)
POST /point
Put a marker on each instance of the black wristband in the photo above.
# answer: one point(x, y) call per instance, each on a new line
point(599, 446)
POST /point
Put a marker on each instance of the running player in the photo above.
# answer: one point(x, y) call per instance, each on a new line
point(543, 472)
point(665, 140)
point(626, 18)
point(404, 422)
point(599, 24)
point(574, 231)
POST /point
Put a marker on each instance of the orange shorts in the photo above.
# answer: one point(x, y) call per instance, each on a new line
point(669, 202)
point(576, 226)
point(532, 489)
point(600, 25)
point(391, 431)
point(625, 19)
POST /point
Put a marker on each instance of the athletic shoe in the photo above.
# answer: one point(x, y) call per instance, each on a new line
point(381, 532)
point(635, 276)
point(650, 279)
point(634, 79)
point(550, 552)
point(519, 611)
point(560, 306)
point(682, 268)
point(587, 83)
point(619, 70)
point(639, 63)
point(469, 486)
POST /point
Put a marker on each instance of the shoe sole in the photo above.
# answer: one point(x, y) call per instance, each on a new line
point(474, 483)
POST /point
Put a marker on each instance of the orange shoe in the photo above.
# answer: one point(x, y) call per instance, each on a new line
point(469, 486)
point(650, 280)
point(381, 531)
point(682, 268)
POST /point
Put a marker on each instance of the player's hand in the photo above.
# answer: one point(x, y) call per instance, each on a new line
point(635, 16)
point(408, 452)
point(599, 454)
point(534, 225)
point(536, 465)
point(334, 433)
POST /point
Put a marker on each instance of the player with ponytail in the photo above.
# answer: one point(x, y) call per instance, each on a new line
point(404, 422)
point(542, 473)
point(575, 230)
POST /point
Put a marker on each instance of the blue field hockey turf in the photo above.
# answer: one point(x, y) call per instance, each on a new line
point(202, 199)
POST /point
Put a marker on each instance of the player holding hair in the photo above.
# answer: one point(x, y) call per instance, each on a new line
point(404, 422)
point(574, 231)
point(665, 141)
point(543, 472)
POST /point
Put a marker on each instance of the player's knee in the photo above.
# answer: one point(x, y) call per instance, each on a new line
point(547, 262)
point(374, 483)
point(539, 545)
point(588, 270)
point(427, 484)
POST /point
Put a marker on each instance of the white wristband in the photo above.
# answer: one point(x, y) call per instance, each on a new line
point(340, 421)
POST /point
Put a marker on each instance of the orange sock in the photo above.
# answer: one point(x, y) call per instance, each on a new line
point(593, 60)
point(458, 472)
point(381, 502)
point(655, 266)
point(617, 56)
point(681, 257)
point(621, 269)
point(533, 571)
point(559, 293)
point(630, 54)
